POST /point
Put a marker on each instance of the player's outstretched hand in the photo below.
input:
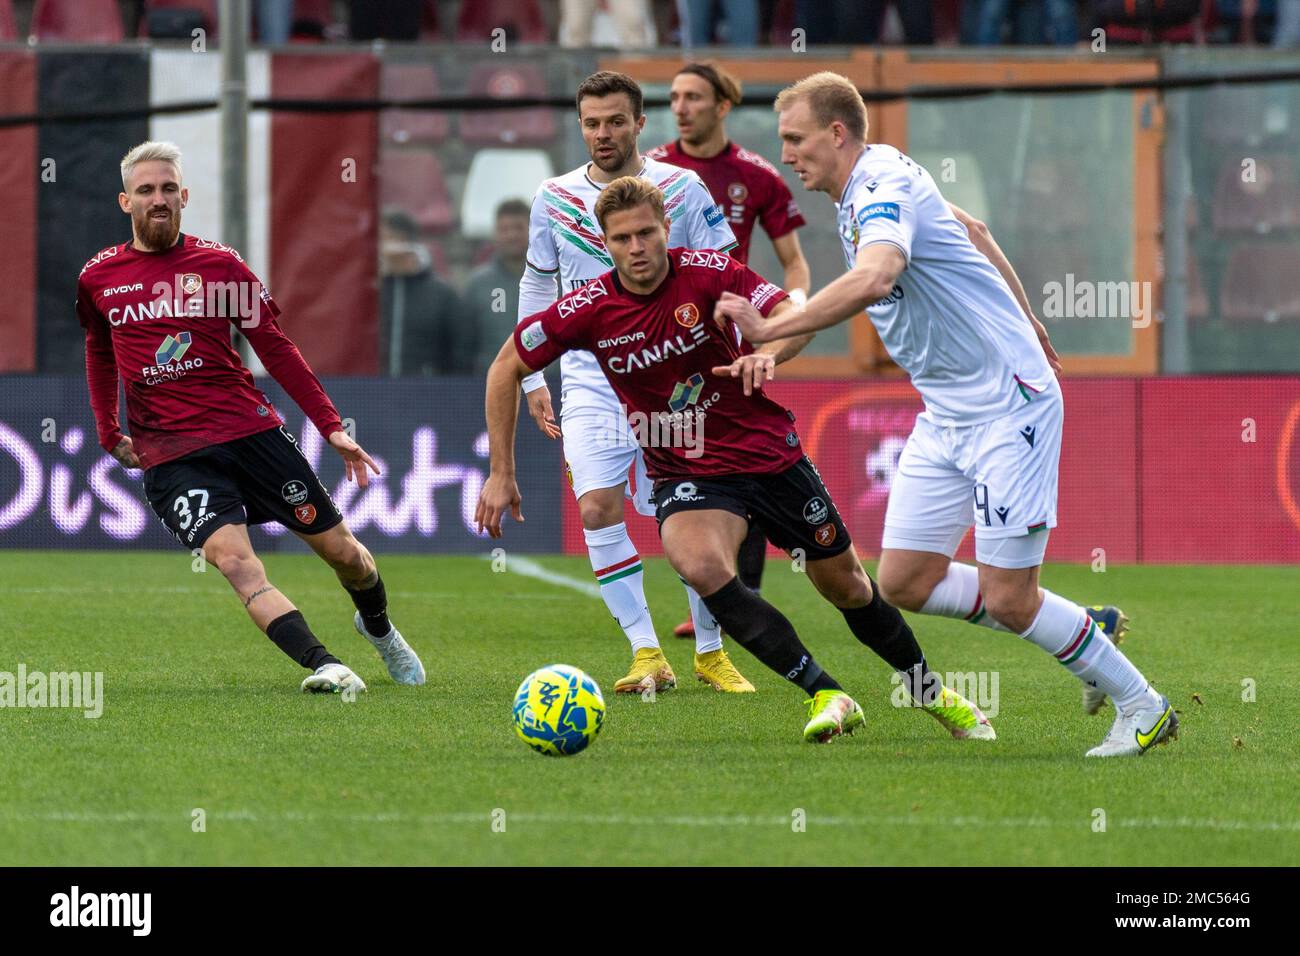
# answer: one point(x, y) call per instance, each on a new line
point(125, 453)
point(355, 458)
point(741, 311)
point(539, 406)
point(1053, 359)
point(752, 370)
point(498, 494)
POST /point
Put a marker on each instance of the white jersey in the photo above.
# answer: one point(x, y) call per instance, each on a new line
point(951, 321)
point(564, 238)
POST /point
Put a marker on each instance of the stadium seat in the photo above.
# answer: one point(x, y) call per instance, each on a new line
point(1261, 283)
point(413, 181)
point(525, 127)
point(78, 21)
point(411, 81)
point(496, 175)
point(967, 188)
point(1271, 202)
point(8, 26)
point(521, 19)
point(206, 8)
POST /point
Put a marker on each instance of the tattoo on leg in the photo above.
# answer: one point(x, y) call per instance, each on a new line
point(258, 593)
point(365, 584)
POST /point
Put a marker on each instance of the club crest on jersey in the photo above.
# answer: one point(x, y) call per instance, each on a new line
point(687, 316)
point(737, 193)
point(191, 283)
point(825, 534)
point(305, 513)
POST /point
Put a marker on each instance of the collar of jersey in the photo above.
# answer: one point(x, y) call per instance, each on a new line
point(600, 186)
point(853, 172)
point(179, 244)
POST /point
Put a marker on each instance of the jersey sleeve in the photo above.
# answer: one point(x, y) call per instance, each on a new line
point(101, 370)
point(281, 357)
point(742, 280)
point(541, 256)
point(543, 337)
point(780, 214)
point(700, 222)
point(887, 213)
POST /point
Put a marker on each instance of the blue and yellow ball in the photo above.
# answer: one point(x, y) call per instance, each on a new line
point(558, 710)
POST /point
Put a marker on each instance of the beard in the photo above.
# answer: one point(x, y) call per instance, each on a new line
point(614, 162)
point(158, 235)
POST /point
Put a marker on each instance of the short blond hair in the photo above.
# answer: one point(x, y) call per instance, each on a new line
point(149, 151)
point(628, 192)
point(831, 97)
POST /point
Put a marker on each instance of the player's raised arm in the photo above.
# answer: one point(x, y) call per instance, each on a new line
point(982, 239)
point(870, 280)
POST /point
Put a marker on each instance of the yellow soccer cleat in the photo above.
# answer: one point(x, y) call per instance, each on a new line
point(831, 713)
point(715, 668)
point(960, 717)
point(649, 669)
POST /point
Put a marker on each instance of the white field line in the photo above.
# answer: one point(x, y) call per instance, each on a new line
point(531, 569)
point(483, 818)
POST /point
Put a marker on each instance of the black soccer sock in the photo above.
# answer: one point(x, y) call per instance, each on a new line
point(373, 605)
point(753, 555)
point(765, 632)
point(290, 633)
point(881, 627)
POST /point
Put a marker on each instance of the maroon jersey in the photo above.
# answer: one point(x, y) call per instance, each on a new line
point(658, 351)
point(163, 320)
point(746, 186)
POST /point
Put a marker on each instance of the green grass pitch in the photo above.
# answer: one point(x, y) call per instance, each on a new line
point(201, 712)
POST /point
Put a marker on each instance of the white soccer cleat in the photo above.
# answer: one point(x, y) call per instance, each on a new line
point(332, 679)
point(1137, 733)
point(402, 662)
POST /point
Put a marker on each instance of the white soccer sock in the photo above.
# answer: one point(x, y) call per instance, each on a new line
point(1064, 630)
point(958, 596)
point(618, 570)
point(708, 633)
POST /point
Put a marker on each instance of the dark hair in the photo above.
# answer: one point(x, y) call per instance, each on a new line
point(606, 83)
point(725, 86)
point(514, 207)
point(401, 222)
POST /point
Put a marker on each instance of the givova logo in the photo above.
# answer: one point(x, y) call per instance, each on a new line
point(173, 348)
point(686, 393)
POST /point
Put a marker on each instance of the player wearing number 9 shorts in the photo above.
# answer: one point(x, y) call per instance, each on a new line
point(215, 454)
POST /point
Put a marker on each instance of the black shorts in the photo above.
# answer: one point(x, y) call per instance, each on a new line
point(792, 507)
point(251, 480)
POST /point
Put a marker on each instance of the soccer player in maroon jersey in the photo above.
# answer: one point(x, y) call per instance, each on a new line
point(749, 190)
point(216, 456)
point(721, 453)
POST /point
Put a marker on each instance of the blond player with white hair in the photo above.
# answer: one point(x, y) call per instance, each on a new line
point(986, 449)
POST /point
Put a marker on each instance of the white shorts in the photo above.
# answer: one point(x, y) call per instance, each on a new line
point(1000, 476)
point(600, 450)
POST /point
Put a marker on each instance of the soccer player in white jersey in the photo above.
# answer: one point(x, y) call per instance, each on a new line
point(986, 448)
point(600, 449)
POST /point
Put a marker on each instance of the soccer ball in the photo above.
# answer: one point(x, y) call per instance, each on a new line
point(558, 710)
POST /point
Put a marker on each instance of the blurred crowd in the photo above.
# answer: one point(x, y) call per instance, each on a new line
point(426, 325)
point(689, 23)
